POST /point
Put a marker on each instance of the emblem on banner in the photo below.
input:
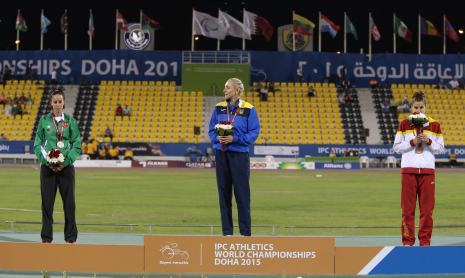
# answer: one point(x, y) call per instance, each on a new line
point(300, 40)
point(169, 252)
point(135, 38)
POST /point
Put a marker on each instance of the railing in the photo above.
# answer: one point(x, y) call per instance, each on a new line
point(211, 227)
point(84, 224)
point(358, 227)
point(215, 57)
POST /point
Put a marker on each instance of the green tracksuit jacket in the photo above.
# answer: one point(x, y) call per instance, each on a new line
point(46, 139)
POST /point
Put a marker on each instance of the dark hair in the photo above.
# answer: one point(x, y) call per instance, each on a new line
point(418, 97)
point(57, 92)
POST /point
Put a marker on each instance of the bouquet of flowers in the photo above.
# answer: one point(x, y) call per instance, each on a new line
point(224, 129)
point(418, 119)
point(55, 157)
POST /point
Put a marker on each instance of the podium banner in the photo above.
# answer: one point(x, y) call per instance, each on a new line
point(240, 255)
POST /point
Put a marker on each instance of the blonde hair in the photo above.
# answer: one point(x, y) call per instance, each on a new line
point(418, 97)
point(237, 83)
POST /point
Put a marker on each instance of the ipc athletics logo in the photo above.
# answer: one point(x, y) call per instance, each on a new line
point(135, 38)
point(169, 251)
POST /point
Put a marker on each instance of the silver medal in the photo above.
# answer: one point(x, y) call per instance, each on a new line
point(60, 144)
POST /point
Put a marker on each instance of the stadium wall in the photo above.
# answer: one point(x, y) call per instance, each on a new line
point(181, 149)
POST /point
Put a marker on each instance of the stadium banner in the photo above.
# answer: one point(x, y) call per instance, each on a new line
point(14, 147)
point(265, 66)
point(245, 255)
point(138, 148)
point(390, 260)
point(210, 78)
point(337, 166)
point(275, 150)
point(283, 165)
point(102, 164)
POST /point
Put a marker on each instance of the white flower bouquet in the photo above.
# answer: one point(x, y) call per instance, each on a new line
point(418, 119)
point(224, 129)
point(55, 157)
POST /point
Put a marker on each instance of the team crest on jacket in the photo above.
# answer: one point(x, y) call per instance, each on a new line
point(48, 128)
point(241, 111)
point(65, 124)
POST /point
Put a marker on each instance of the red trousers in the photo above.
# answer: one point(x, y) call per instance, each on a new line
point(423, 186)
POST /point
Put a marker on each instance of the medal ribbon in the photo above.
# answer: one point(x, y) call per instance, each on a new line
point(235, 114)
point(60, 136)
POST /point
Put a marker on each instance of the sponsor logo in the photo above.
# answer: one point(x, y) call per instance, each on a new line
point(198, 164)
point(333, 166)
point(173, 255)
point(432, 182)
point(135, 38)
point(5, 148)
point(157, 163)
point(347, 166)
point(223, 109)
point(258, 165)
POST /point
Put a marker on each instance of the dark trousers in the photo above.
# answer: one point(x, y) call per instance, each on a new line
point(233, 168)
point(65, 181)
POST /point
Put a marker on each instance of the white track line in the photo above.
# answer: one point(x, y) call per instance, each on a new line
point(26, 210)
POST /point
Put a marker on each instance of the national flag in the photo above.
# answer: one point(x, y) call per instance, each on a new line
point(351, 28)
point(64, 22)
point(122, 23)
point(44, 22)
point(451, 32)
point(402, 30)
point(148, 23)
point(328, 26)
point(91, 30)
point(208, 26)
point(21, 23)
point(374, 30)
point(257, 25)
point(427, 28)
point(235, 27)
point(302, 25)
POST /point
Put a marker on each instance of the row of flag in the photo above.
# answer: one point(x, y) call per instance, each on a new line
point(252, 24)
point(147, 23)
point(305, 27)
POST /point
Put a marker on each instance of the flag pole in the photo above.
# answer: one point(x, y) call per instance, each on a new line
point(17, 35)
point(345, 32)
point(319, 31)
point(192, 35)
point(243, 22)
point(90, 36)
point(218, 41)
point(369, 37)
point(41, 33)
point(394, 32)
point(141, 31)
point(444, 32)
point(116, 32)
point(419, 34)
point(293, 33)
point(66, 31)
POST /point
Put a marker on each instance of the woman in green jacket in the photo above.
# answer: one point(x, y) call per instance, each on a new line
point(58, 131)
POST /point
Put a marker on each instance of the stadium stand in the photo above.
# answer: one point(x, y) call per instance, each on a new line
point(85, 108)
point(387, 122)
point(159, 113)
point(20, 128)
point(351, 114)
point(445, 106)
point(290, 117)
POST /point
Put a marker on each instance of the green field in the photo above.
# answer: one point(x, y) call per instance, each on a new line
point(186, 197)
